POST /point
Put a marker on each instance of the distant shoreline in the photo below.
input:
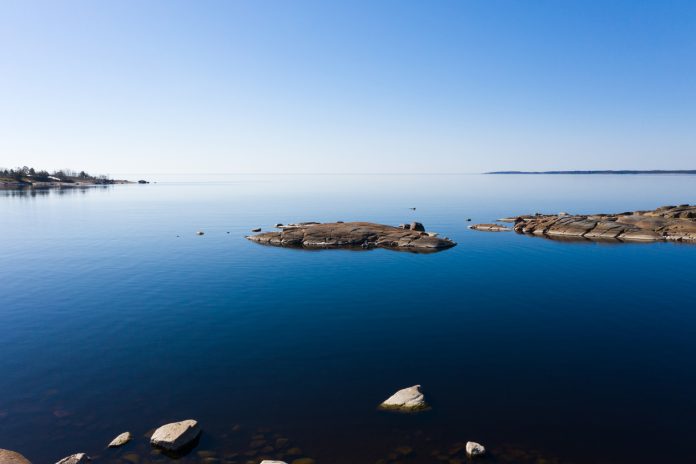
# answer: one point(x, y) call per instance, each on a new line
point(654, 171)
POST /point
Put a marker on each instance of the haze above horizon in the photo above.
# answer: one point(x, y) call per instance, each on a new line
point(373, 87)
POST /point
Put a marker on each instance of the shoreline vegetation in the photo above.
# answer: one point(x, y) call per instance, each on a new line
point(621, 172)
point(32, 178)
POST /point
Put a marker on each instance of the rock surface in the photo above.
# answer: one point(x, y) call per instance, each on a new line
point(490, 227)
point(474, 449)
point(79, 458)
point(12, 457)
point(407, 399)
point(121, 440)
point(351, 235)
point(176, 435)
point(667, 223)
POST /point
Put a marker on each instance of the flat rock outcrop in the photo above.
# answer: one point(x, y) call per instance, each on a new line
point(176, 435)
point(12, 457)
point(406, 400)
point(490, 227)
point(353, 235)
point(667, 223)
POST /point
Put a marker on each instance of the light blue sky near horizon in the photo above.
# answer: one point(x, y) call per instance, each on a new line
point(354, 87)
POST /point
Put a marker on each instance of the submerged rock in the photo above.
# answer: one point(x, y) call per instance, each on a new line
point(667, 223)
point(79, 458)
point(407, 399)
point(490, 227)
point(121, 440)
point(474, 449)
point(12, 457)
point(176, 435)
point(352, 235)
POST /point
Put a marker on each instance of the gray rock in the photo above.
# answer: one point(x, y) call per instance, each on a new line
point(121, 440)
point(490, 227)
point(176, 435)
point(474, 449)
point(12, 457)
point(79, 458)
point(407, 399)
point(417, 226)
point(200, 232)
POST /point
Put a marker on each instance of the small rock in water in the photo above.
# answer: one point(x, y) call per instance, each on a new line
point(474, 449)
point(278, 225)
point(258, 229)
point(407, 399)
point(273, 462)
point(121, 440)
point(79, 458)
point(176, 435)
point(417, 226)
point(200, 232)
point(12, 457)
point(468, 219)
point(412, 209)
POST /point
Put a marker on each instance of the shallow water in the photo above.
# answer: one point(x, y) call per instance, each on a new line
point(115, 316)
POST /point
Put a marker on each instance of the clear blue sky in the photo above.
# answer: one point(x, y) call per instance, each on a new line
point(323, 86)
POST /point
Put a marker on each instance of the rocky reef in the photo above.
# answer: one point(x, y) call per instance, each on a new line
point(412, 237)
point(667, 223)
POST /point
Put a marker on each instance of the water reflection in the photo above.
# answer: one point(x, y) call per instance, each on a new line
point(45, 192)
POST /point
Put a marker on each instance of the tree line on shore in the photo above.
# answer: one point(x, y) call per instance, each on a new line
point(24, 174)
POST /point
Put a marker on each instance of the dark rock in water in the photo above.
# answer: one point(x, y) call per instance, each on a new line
point(79, 458)
point(352, 235)
point(200, 232)
point(490, 227)
point(143, 182)
point(258, 229)
point(12, 457)
point(667, 223)
point(417, 226)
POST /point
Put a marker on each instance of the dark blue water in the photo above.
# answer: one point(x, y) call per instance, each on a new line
point(115, 316)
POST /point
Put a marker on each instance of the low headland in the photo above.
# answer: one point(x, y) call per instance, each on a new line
point(666, 223)
point(26, 177)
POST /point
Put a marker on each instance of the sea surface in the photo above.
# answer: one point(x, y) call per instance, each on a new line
point(115, 316)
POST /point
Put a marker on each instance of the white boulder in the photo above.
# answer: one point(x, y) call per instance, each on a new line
point(121, 440)
point(79, 458)
point(407, 399)
point(176, 435)
point(474, 449)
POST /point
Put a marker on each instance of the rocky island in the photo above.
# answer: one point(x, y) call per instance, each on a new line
point(667, 223)
point(410, 237)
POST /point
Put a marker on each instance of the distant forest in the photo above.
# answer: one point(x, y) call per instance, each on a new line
point(25, 174)
point(655, 171)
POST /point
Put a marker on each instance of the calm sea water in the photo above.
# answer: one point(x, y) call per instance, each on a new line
point(115, 316)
